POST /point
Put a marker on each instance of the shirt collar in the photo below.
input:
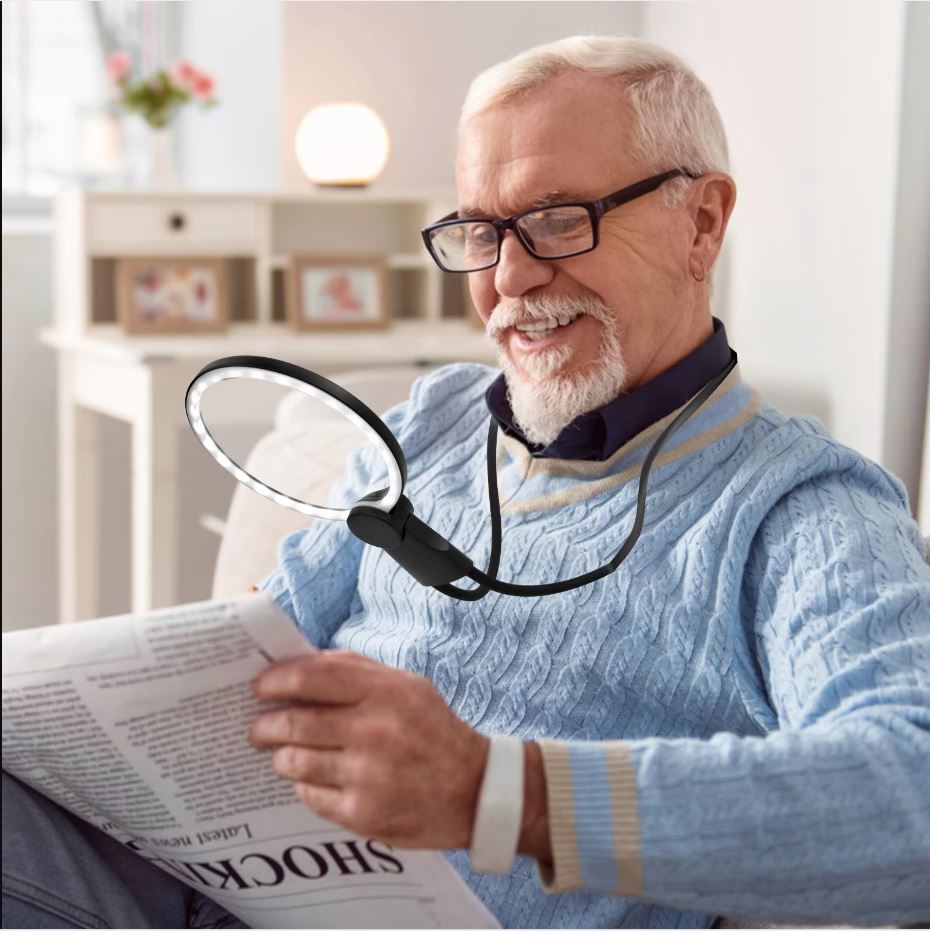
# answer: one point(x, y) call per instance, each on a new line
point(598, 434)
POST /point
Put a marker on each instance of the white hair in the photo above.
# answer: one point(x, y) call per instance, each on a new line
point(676, 123)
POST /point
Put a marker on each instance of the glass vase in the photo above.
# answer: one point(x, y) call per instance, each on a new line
point(163, 167)
point(150, 154)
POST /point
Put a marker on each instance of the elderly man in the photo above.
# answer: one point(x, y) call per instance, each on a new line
point(736, 721)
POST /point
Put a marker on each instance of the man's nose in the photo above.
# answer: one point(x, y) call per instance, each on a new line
point(518, 271)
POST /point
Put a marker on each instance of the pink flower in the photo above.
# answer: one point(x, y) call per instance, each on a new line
point(196, 82)
point(119, 64)
point(203, 86)
point(184, 74)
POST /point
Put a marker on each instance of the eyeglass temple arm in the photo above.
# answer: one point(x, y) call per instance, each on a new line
point(639, 189)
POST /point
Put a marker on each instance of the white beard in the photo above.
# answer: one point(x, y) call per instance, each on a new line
point(545, 401)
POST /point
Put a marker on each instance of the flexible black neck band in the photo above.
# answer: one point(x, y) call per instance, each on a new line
point(487, 581)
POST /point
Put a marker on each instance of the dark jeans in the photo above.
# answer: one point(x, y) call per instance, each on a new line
point(60, 872)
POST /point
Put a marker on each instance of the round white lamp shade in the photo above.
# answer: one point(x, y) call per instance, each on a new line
point(342, 144)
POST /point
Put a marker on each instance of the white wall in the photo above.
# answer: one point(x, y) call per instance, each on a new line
point(233, 146)
point(413, 62)
point(809, 94)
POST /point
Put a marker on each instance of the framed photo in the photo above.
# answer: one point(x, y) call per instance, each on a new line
point(172, 294)
point(337, 293)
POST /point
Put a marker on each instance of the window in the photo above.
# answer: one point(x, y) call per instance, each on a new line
point(60, 122)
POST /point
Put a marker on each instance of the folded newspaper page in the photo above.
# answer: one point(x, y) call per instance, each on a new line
point(139, 725)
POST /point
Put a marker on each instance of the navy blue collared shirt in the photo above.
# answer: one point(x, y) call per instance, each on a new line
point(598, 434)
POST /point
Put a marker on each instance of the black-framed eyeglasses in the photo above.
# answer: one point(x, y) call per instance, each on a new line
point(555, 231)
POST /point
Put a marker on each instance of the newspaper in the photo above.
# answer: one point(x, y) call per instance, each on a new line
point(138, 724)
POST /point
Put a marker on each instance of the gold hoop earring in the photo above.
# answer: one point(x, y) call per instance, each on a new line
point(695, 277)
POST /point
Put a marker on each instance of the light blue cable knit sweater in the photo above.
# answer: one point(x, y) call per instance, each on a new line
point(735, 722)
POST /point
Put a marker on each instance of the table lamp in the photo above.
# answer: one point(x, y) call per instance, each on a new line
point(342, 145)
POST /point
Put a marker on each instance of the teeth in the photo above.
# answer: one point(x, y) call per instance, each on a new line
point(538, 327)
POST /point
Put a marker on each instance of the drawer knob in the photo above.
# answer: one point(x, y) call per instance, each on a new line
point(177, 221)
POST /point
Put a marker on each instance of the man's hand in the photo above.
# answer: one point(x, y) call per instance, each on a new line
point(372, 748)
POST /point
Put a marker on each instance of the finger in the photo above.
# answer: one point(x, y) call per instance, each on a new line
point(318, 726)
point(324, 676)
point(317, 767)
point(323, 800)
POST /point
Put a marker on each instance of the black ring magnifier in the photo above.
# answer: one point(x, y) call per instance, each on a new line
point(385, 518)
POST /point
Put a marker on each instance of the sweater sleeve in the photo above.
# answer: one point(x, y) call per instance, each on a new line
point(826, 818)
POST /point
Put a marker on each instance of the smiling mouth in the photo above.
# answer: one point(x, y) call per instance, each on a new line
point(539, 331)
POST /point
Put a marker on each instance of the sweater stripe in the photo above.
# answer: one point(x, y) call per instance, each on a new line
point(574, 494)
point(593, 817)
point(566, 866)
point(584, 468)
point(625, 812)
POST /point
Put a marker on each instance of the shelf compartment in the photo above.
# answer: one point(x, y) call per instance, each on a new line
point(241, 278)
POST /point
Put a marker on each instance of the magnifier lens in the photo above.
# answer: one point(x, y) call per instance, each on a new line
point(286, 442)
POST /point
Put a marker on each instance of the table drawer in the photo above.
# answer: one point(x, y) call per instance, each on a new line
point(140, 227)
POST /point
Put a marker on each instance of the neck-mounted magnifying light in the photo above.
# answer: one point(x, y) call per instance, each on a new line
point(385, 518)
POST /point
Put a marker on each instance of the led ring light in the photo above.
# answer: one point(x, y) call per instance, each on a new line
point(316, 386)
point(385, 518)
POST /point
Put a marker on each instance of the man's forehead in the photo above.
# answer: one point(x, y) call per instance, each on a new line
point(558, 146)
point(491, 184)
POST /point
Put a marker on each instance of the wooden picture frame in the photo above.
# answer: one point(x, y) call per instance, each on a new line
point(346, 292)
point(172, 294)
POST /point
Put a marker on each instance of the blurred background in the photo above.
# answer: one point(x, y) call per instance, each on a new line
point(148, 145)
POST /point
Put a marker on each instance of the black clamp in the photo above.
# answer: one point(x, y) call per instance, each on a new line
point(430, 558)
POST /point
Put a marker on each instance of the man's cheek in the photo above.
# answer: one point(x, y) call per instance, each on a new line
point(483, 295)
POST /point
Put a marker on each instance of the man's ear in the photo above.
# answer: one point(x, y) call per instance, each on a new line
point(710, 203)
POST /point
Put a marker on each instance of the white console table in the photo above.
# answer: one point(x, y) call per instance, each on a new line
point(142, 382)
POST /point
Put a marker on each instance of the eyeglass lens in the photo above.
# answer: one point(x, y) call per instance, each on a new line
point(465, 246)
point(557, 231)
point(550, 232)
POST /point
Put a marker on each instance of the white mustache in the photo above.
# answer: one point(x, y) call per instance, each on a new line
point(548, 307)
